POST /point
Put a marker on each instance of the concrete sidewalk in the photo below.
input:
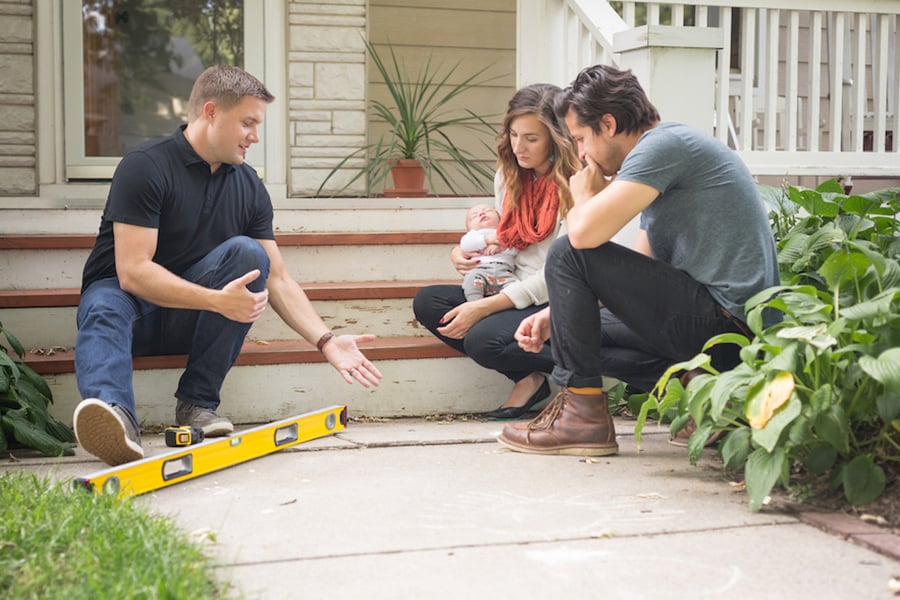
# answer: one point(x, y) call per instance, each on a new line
point(432, 510)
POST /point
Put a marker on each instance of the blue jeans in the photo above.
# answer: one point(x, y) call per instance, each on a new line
point(114, 326)
point(490, 342)
point(653, 316)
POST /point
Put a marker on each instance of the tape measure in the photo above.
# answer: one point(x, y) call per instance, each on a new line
point(183, 435)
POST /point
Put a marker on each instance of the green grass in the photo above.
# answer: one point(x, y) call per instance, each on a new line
point(58, 542)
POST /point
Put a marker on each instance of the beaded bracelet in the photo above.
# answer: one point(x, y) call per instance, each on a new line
point(324, 339)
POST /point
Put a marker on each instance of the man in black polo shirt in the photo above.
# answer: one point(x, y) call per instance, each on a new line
point(185, 262)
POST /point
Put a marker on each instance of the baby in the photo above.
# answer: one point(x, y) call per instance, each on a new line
point(497, 265)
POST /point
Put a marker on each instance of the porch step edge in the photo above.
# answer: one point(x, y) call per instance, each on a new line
point(263, 353)
point(79, 241)
point(331, 290)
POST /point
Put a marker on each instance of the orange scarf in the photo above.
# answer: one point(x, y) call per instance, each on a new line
point(534, 219)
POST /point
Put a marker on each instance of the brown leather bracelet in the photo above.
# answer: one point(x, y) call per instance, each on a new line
point(324, 339)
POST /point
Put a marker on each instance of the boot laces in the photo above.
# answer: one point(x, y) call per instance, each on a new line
point(551, 412)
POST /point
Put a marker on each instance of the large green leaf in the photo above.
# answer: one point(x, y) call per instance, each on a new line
point(13, 341)
point(760, 474)
point(881, 305)
point(832, 426)
point(888, 406)
point(821, 458)
point(735, 448)
point(843, 267)
point(861, 205)
point(39, 383)
point(885, 369)
point(28, 434)
point(6, 362)
point(863, 480)
point(831, 187)
point(768, 436)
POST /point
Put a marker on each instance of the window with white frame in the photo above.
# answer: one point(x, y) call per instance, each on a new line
point(139, 59)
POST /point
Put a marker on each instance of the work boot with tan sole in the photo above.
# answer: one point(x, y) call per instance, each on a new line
point(574, 424)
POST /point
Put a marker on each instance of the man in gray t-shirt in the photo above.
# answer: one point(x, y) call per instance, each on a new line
point(705, 246)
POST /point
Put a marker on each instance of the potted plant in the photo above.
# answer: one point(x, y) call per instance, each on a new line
point(420, 121)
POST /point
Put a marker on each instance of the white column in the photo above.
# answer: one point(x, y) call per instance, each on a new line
point(676, 67)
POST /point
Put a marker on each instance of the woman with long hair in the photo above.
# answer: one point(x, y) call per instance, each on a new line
point(535, 159)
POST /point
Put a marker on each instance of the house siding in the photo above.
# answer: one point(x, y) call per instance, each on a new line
point(18, 125)
point(326, 88)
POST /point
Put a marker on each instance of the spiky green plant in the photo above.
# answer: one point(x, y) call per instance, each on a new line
point(420, 121)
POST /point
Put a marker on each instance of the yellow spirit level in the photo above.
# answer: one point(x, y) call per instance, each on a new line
point(167, 469)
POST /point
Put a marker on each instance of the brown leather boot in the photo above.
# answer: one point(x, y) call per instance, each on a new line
point(575, 424)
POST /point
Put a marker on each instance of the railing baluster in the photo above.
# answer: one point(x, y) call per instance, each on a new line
point(815, 81)
point(837, 82)
point(771, 101)
point(791, 83)
point(880, 61)
point(748, 64)
point(628, 13)
point(701, 16)
point(652, 13)
point(895, 88)
point(859, 104)
point(724, 125)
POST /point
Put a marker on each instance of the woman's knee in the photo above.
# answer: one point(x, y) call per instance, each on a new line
point(431, 303)
point(483, 344)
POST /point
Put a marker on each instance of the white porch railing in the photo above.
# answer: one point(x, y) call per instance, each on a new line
point(811, 90)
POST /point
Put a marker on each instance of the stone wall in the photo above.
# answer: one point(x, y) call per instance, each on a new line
point(17, 109)
point(326, 90)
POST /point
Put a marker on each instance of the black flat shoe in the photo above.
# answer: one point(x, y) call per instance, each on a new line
point(514, 412)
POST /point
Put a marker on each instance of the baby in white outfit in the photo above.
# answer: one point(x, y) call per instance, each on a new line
point(497, 264)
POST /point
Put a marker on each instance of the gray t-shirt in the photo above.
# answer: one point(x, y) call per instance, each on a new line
point(708, 220)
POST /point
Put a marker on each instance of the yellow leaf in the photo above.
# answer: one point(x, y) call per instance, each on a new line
point(767, 400)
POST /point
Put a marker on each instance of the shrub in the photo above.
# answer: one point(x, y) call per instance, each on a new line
point(24, 401)
point(821, 389)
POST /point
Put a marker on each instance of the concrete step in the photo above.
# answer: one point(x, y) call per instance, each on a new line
point(80, 214)
point(57, 260)
point(45, 318)
point(272, 381)
point(360, 261)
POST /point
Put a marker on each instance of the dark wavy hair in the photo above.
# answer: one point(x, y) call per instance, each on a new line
point(601, 90)
point(538, 99)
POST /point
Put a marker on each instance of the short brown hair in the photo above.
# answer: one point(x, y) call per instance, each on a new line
point(226, 85)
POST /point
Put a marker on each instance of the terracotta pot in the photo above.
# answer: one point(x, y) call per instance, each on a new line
point(409, 179)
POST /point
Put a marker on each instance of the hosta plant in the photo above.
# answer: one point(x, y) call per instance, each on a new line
point(24, 401)
point(819, 392)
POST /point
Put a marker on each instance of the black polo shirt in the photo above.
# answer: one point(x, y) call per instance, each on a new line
point(164, 184)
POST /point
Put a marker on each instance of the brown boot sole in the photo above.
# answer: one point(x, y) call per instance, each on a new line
point(605, 450)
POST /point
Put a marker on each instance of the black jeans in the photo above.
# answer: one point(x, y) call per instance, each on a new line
point(490, 342)
point(653, 316)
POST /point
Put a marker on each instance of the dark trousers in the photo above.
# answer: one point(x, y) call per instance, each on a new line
point(653, 316)
point(490, 342)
